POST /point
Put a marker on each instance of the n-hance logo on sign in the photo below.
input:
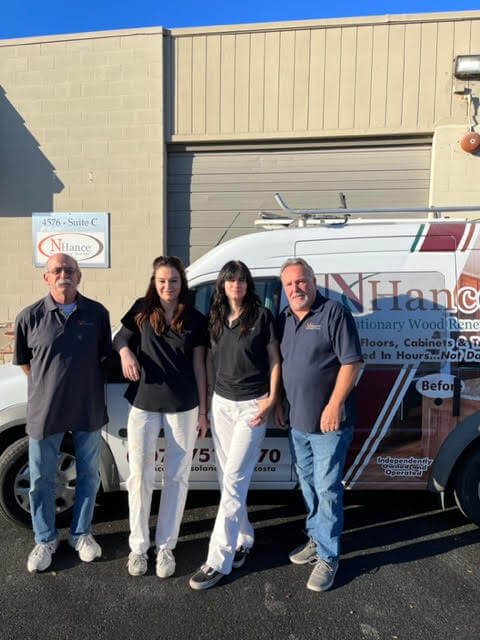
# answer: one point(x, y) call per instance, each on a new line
point(80, 246)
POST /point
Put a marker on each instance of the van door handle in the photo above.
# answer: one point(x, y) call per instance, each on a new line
point(457, 387)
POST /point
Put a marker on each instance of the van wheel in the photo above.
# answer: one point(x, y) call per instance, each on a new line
point(466, 488)
point(15, 484)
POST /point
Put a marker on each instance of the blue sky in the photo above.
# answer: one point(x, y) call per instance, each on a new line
point(42, 17)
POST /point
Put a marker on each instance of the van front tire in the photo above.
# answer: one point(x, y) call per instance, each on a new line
point(15, 484)
point(466, 488)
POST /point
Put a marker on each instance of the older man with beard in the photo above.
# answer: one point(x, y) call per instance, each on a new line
point(321, 360)
point(60, 342)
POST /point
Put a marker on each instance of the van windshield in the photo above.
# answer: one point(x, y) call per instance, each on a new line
point(268, 290)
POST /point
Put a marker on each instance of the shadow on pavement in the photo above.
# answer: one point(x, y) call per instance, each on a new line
point(374, 523)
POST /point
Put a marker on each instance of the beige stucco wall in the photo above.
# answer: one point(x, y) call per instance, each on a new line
point(382, 75)
point(455, 174)
point(81, 129)
point(85, 118)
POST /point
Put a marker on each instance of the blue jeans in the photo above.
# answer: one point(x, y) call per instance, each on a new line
point(43, 459)
point(319, 459)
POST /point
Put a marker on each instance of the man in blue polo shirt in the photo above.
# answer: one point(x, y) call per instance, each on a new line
point(321, 360)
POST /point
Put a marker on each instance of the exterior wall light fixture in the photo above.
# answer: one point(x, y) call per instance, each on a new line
point(467, 67)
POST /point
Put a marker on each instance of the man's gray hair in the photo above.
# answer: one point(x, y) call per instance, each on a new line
point(60, 253)
point(297, 261)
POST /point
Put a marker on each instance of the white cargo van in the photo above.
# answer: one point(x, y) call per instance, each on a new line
point(413, 289)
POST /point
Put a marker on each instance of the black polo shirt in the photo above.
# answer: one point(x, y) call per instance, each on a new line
point(313, 351)
point(66, 383)
point(167, 381)
point(242, 367)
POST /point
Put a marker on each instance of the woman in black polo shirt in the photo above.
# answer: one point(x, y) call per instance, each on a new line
point(168, 391)
point(243, 363)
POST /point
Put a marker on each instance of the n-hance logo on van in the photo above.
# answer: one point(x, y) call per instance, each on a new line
point(408, 317)
point(80, 246)
point(369, 293)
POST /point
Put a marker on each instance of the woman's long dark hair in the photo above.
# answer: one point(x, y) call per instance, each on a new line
point(220, 309)
point(153, 310)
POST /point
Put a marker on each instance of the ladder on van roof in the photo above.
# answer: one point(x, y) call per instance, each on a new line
point(342, 215)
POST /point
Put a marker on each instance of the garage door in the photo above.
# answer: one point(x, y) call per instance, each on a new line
point(214, 196)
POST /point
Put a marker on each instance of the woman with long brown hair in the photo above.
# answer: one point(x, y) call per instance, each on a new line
point(243, 365)
point(167, 391)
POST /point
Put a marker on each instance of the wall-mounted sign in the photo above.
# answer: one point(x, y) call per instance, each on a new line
point(84, 236)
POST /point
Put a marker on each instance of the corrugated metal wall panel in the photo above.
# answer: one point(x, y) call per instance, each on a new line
point(209, 191)
point(378, 77)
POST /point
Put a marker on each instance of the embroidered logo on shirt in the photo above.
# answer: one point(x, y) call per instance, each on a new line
point(312, 326)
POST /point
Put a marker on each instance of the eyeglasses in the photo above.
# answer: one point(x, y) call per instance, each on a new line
point(69, 271)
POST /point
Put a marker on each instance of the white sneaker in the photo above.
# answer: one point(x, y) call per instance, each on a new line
point(165, 563)
point(137, 564)
point(40, 558)
point(87, 547)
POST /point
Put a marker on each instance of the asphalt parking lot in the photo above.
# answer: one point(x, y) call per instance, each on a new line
point(409, 571)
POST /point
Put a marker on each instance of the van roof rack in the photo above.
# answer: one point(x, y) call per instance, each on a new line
point(302, 217)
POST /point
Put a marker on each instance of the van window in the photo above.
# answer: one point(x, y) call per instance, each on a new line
point(202, 297)
point(268, 290)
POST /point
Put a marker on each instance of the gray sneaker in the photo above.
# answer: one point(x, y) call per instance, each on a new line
point(323, 575)
point(137, 563)
point(305, 553)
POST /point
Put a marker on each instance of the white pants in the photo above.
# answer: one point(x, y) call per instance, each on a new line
point(237, 449)
point(180, 433)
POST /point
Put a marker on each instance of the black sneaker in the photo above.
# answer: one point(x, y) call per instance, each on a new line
point(240, 556)
point(205, 578)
